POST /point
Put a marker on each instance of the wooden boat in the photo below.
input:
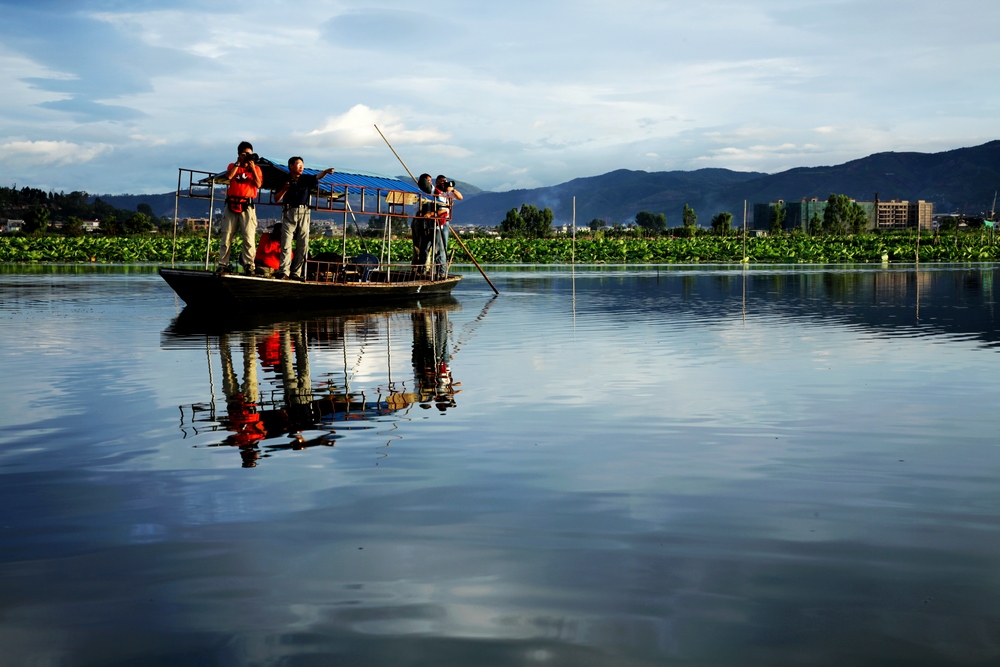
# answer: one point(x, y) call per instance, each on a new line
point(328, 284)
point(205, 289)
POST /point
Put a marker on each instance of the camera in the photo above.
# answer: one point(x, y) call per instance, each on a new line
point(249, 157)
point(449, 184)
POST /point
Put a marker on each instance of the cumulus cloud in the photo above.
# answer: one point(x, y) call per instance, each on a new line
point(356, 127)
point(57, 153)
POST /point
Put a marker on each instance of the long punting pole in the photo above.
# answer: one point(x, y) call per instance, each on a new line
point(454, 235)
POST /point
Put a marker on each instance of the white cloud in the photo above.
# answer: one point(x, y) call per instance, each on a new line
point(56, 153)
point(356, 127)
point(499, 95)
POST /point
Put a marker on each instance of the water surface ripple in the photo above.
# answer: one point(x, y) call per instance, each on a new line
point(608, 466)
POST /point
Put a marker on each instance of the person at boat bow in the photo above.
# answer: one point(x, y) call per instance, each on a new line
point(295, 217)
point(245, 179)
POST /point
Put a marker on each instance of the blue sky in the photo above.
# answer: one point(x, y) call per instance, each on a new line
point(111, 96)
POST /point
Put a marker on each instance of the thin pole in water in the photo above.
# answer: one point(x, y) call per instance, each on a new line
point(744, 231)
point(177, 196)
point(573, 255)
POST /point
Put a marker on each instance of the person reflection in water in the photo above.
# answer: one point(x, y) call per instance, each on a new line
point(286, 412)
point(242, 400)
point(431, 360)
point(295, 379)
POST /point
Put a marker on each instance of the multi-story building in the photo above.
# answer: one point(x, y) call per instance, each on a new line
point(893, 214)
point(797, 213)
point(194, 224)
point(898, 214)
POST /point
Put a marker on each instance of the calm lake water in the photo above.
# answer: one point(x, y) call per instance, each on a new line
point(612, 467)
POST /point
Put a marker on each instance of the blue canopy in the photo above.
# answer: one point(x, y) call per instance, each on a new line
point(275, 175)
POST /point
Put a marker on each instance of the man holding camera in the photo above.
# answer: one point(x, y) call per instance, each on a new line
point(295, 217)
point(245, 179)
point(445, 195)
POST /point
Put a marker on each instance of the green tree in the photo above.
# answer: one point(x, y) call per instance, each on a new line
point(137, 223)
point(837, 216)
point(689, 217)
point(948, 224)
point(398, 227)
point(596, 224)
point(73, 226)
point(722, 223)
point(538, 224)
point(815, 224)
point(857, 219)
point(513, 224)
point(778, 215)
point(109, 226)
point(147, 209)
point(37, 220)
point(653, 222)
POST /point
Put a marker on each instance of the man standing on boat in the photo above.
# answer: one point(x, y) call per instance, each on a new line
point(295, 217)
point(422, 227)
point(245, 179)
point(445, 196)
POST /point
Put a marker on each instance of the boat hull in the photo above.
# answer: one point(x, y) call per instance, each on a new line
point(205, 289)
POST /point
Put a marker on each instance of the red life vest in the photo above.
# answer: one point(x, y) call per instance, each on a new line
point(242, 182)
point(269, 251)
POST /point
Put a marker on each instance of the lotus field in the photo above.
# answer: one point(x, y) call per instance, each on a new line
point(784, 249)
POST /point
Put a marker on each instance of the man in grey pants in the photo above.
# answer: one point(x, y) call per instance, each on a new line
point(239, 217)
point(294, 196)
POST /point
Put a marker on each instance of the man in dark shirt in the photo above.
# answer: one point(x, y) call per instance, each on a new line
point(294, 196)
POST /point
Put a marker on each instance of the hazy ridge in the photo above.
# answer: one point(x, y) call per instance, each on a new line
point(962, 180)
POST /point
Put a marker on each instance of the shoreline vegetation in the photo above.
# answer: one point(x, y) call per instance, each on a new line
point(956, 246)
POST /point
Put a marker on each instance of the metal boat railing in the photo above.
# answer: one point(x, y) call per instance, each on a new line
point(350, 271)
point(349, 200)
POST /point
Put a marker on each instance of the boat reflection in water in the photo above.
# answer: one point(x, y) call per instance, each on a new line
point(278, 401)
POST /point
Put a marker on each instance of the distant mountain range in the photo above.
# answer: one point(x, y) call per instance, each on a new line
point(962, 180)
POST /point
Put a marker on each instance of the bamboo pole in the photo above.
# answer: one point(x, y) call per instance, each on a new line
point(450, 228)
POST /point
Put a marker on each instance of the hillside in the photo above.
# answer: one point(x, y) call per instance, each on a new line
point(961, 180)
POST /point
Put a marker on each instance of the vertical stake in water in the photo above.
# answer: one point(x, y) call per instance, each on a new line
point(211, 216)
point(573, 267)
point(744, 262)
point(573, 254)
point(177, 196)
point(744, 231)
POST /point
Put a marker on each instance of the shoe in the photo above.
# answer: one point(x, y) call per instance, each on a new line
point(298, 279)
point(223, 269)
point(280, 276)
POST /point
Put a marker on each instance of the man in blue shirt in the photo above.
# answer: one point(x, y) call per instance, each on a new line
point(295, 217)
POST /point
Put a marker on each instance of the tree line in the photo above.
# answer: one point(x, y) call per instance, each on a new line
point(841, 215)
point(40, 210)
